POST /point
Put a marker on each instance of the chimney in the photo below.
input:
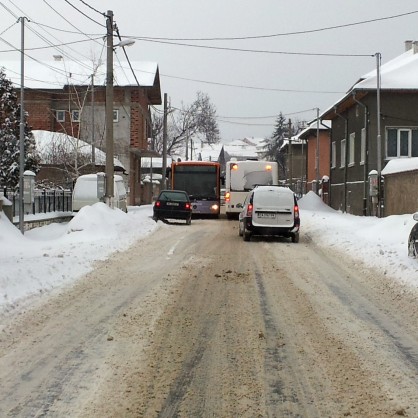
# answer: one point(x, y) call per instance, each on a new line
point(408, 45)
point(415, 46)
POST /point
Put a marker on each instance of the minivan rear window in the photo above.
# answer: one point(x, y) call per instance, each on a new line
point(272, 198)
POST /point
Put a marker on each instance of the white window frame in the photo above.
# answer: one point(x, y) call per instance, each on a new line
point(333, 154)
point(351, 149)
point(342, 153)
point(75, 115)
point(60, 115)
point(363, 146)
point(115, 115)
point(399, 130)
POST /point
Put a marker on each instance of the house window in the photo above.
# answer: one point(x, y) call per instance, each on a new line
point(351, 149)
point(75, 115)
point(333, 154)
point(60, 115)
point(401, 142)
point(115, 115)
point(363, 146)
point(343, 146)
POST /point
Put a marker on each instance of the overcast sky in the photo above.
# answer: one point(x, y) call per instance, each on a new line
point(247, 88)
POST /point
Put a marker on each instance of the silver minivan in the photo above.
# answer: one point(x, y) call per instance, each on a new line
point(270, 210)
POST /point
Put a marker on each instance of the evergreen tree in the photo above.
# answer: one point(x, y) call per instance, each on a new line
point(272, 149)
point(9, 137)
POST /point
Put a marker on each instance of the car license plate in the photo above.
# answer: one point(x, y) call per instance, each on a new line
point(172, 204)
point(266, 215)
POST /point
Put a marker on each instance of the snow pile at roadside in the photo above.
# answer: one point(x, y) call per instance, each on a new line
point(56, 254)
point(379, 243)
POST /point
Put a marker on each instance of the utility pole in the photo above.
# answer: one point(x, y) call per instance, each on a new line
point(109, 111)
point(22, 128)
point(317, 150)
point(290, 155)
point(379, 138)
point(164, 165)
point(93, 142)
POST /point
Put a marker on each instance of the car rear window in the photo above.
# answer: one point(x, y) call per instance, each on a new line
point(272, 198)
point(179, 197)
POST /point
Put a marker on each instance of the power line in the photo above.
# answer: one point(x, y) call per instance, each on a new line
point(84, 14)
point(258, 51)
point(304, 32)
point(64, 18)
point(92, 8)
point(250, 87)
point(266, 117)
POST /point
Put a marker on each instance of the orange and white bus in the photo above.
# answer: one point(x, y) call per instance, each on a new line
point(201, 181)
point(243, 176)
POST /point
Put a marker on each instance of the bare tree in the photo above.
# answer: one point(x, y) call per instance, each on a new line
point(193, 122)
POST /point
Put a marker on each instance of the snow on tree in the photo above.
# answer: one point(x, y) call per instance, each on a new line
point(9, 137)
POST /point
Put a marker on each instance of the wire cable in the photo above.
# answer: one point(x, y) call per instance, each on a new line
point(304, 32)
point(258, 51)
point(84, 14)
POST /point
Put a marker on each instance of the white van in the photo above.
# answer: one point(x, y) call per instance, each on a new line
point(89, 190)
point(270, 210)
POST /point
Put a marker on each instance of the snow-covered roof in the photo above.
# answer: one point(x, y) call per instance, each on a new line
point(399, 165)
point(313, 126)
point(157, 162)
point(399, 73)
point(56, 74)
point(46, 141)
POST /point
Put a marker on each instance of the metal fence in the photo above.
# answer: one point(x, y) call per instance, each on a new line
point(44, 201)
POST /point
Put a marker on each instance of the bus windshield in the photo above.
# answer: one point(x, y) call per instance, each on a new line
point(200, 182)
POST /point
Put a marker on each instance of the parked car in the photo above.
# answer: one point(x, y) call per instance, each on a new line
point(413, 239)
point(270, 210)
point(88, 191)
point(173, 204)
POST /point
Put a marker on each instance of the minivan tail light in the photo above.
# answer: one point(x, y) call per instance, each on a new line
point(250, 210)
point(296, 211)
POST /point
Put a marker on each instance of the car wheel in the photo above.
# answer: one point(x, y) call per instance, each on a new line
point(189, 221)
point(413, 242)
point(295, 237)
point(246, 234)
point(155, 218)
point(240, 229)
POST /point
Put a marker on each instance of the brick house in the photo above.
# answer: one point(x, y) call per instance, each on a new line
point(59, 97)
point(309, 135)
point(354, 143)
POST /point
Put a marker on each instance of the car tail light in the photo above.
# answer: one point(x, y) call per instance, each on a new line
point(158, 203)
point(250, 210)
point(296, 211)
point(188, 206)
point(227, 197)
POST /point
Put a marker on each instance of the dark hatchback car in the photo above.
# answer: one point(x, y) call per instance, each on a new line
point(173, 204)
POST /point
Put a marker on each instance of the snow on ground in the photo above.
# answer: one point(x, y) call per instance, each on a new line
point(51, 256)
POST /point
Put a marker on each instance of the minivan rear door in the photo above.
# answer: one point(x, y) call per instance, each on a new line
point(273, 208)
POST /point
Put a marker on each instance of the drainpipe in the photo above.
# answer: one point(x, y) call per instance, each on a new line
point(345, 162)
point(366, 154)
